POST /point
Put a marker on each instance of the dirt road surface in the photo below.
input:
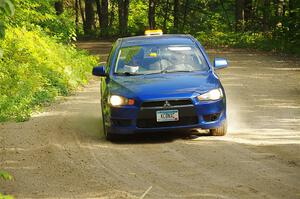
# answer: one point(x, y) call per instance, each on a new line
point(61, 153)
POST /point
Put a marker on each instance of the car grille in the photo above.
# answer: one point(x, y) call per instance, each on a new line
point(121, 122)
point(170, 102)
point(147, 116)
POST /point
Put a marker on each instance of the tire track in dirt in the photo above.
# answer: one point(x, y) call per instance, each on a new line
point(61, 153)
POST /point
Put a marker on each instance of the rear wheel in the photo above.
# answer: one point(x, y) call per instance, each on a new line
point(221, 131)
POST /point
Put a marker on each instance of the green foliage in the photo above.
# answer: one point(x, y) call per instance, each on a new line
point(62, 27)
point(6, 6)
point(6, 176)
point(35, 69)
point(6, 196)
point(6, 9)
point(254, 40)
point(138, 18)
point(33, 13)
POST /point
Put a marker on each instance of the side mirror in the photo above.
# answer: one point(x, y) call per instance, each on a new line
point(220, 63)
point(99, 71)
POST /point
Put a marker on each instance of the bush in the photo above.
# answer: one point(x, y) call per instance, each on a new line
point(35, 69)
point(254, 40)
point(32, 13)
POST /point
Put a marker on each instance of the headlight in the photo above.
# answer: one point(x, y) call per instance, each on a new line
point(116, 100)
point(214, 94)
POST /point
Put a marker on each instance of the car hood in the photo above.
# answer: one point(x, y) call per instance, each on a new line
point(164, 85)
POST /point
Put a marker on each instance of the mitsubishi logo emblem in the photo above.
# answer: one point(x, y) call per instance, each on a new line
point(167, 104)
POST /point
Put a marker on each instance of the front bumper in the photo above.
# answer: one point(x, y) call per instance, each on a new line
point(132, 119)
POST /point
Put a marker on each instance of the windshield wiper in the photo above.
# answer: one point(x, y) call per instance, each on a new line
point(176, 71)
point(128, 74)
point(152, 73)
point(160, 72)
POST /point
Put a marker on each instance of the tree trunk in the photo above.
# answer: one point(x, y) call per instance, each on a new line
point(104, 20)
point(126, 10)
point(266, 15)
point(120, 15)
point(112, 15)
point(185, 14)
point(239, 15)
point(226, 15)
point(98, 6)
point(279, 12)
point(279, 9)
point(294, 18)
point(151, 14)
point(59, 7)
point(123, 6)
point(81, 12)
point(166, 16)
point(76, 16)
point(90, 16)
point(248, 10)
point(176, 16)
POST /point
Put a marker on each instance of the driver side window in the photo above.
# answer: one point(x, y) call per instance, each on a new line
point(111, 56)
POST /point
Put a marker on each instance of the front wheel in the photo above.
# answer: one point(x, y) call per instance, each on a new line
point(107, 135)
point(221, 131)
point(105, 132)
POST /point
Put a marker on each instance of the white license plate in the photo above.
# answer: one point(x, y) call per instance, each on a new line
point(167, 115)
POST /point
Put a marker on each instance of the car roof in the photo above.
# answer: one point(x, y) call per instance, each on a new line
point(178, 39)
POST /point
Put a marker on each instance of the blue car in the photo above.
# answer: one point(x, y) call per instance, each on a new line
point(161, 83)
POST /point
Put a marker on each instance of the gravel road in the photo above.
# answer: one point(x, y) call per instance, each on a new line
point(61, 152)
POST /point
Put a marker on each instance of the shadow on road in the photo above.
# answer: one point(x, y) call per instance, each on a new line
point(152, 138)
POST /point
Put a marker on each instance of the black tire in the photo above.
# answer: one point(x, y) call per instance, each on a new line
point(105, 133)
point(112, 137)
point(108, 135)
point(221, 131)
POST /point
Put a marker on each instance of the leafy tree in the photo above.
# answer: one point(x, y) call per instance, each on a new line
point(6, 9)
point(264, 24)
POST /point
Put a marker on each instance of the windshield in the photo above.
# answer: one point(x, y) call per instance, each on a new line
point(150, 59)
